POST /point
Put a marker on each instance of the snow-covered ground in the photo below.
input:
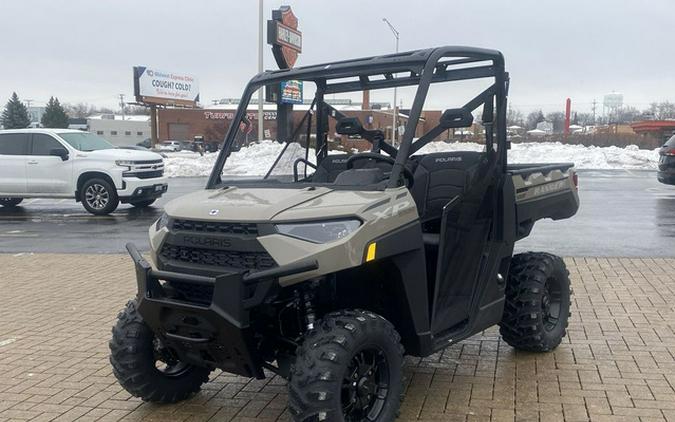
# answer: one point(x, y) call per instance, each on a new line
point(258, 158)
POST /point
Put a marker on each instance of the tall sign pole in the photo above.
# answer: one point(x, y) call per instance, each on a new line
point(286, 41)
point(568, 109)
point(394, 123)
point(261, 129)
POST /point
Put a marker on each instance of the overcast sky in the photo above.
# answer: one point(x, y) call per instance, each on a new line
point(83, 50)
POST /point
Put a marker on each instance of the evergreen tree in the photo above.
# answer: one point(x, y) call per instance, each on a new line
point(55, 115)
point(15, 115)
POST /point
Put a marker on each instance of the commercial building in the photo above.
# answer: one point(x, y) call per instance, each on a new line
point(120, 130)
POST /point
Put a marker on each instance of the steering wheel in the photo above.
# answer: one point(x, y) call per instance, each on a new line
point(407, 174)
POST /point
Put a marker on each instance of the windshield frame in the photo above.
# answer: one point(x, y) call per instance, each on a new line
point(424, 68)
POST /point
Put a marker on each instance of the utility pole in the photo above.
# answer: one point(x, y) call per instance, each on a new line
point(122, 104)
point(594, 103)
point(261, 15)
point(29, 112)
point(395, 117)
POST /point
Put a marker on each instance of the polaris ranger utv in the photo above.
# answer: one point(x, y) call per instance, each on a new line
point(329, 268)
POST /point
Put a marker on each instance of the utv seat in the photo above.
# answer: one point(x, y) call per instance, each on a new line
point(330, 168)
point(439, 177)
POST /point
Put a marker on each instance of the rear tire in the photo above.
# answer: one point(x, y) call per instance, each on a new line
point(347, 368)
point(537, 302)
point(99, 196)
point(135, 354)
point(10, 202)
point(143, 204)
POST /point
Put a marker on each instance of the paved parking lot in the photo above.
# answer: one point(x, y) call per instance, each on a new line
point(617, 364)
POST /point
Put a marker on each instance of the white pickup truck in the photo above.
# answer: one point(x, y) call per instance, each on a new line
point(61, 163)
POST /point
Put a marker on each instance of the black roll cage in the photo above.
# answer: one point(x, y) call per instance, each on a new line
point(419, 67)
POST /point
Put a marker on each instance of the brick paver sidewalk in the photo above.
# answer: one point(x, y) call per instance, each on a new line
point(617, 364)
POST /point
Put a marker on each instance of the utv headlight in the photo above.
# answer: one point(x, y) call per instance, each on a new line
point(162, 222)
point(320, 231)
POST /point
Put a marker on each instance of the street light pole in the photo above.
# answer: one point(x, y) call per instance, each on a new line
point(394, 117)
point(261, 14)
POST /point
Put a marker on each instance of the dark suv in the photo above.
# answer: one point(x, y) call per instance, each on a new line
point(666, 172)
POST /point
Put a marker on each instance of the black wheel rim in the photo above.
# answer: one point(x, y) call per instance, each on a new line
point(551, 303)
point(365, 386)
point(166, 362)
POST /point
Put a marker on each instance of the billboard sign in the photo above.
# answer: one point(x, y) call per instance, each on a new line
point(283, 35)
point(291, 92)
point(154, 86)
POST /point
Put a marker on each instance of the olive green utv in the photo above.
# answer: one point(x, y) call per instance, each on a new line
point(330, 267)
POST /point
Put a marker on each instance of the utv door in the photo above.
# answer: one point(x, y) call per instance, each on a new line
point(469, 254)
point(461, 256)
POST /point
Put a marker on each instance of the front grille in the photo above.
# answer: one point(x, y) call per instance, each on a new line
point(217, 258)
point(139, 163)
point(149, 174)
point(215, 227)
point(193, 293)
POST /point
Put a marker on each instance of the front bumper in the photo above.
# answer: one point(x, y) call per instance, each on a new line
point(142, 189)
point(216, 335)
point(130, 185)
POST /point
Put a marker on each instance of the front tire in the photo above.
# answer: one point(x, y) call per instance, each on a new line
point(99, 196)
point(143, 204)
point(10, 202)
point(348, 368)
point(144, 368)
point(537, 302)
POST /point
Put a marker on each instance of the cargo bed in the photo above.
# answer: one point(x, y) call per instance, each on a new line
point(543, 191)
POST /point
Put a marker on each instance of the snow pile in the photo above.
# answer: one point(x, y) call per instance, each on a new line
point(595, 158)
point(257, 158)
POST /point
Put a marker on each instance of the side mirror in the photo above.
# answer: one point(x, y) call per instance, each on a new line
point(59, 152)
point(456, 118)
point(349, 126)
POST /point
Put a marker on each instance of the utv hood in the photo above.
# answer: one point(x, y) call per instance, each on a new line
point(268, 204)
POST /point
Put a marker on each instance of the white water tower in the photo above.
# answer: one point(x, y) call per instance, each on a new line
point(611, 104)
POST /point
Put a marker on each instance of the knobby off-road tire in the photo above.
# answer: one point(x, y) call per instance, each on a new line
point(537, 302)
point(143, 204)
point(134, 357)
point(352, 360)
point(10, 202)
point(99, 196)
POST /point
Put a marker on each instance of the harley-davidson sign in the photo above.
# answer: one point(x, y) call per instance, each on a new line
point(283, 35)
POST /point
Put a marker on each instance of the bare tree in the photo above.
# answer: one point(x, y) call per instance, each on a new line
point(663, 110)
point(534, 118)
point(82, 110)
point(138, 110)
point(514, 117)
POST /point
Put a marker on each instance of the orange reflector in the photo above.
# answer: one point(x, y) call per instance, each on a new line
point(370, 255)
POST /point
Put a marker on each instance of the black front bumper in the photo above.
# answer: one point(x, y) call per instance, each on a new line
point(217, 335)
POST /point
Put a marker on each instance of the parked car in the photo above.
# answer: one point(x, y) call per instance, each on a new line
point(666, 172)
point(145, 143)
point(63, 163)
point(173, 146)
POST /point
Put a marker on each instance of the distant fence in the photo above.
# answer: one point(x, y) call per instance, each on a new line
point(599, 140)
